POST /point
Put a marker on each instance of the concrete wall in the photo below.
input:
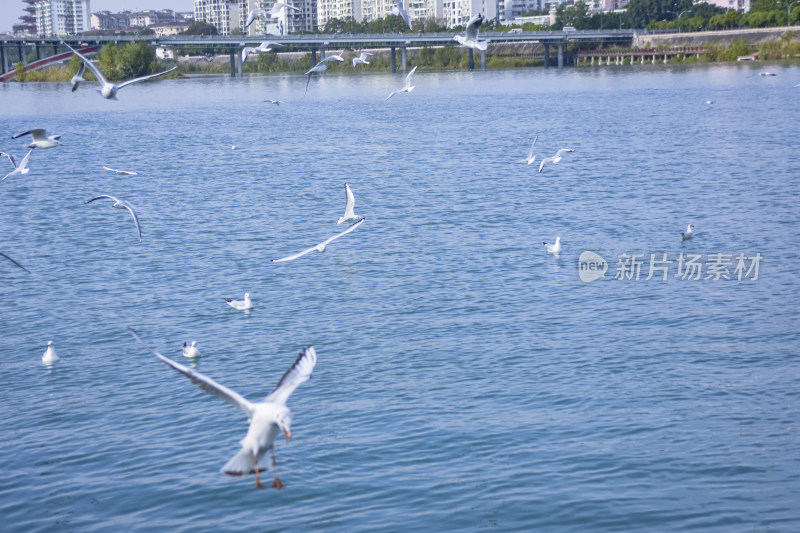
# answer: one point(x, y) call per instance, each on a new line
point(701, 38)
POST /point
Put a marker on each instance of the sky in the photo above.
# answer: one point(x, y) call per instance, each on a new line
point(11, 10)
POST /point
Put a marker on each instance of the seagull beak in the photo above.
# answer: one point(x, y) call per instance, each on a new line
point(288, 434)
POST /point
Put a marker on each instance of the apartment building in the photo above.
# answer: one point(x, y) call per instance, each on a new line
point(62, 17)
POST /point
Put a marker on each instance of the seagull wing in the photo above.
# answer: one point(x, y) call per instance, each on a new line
point(101, 196)
point(111, 169)
point(24, 162)
point(143, 78)
point(253, 14)
point(10, 158)
point(295, 256)
point(534, 144)
point(204, 382)
point(22, 267)
point(472, 27)
point(349, 201)
point(37, 134)
point(408, 77)
point(391, 94)
point(246, 50)
point(345, 232)
point(129, 207)
point(299, 373)
point(545, 160)
point(89, 65)
point(563, 151)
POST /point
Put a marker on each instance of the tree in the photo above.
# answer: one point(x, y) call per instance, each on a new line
point(200, 28)
point(641, 12)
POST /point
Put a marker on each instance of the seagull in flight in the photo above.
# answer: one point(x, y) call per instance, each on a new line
point(556, 158)
point(553, 248)
point(362, 59)
point(321, 246)
point(407, 88)
point(121, 172)
point(122, 204)
point(190, 351)
point(349, 204)
point(267, 417)
point(399, 11)
point(274, 12)
point(40, 139)
point(241, 305)
point(531, 158)
point(689, 233)
point(78, 77)
point(470, 37)
point(262, 48)
point(22, 267)
point(23, 166)
point(321, 67)
point(108, 89)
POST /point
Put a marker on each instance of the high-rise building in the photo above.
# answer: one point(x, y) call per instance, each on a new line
point(222, 14)
point(27, 25)
point(62, 17)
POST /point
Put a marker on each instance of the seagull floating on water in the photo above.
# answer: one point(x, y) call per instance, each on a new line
point(321, 67)
point(122, 204)
point(40, 138)
point(321, 246)
point(767, 74)
point(78, 77)
point(553, 248)
point(275, 102)
point(399, 11)
point(241, 305)
point(407, 88)
point(22, 267)
point(108, 89)
point(191, 351)
point(470, 37)
point(349, 204)
point(267, 417)
point(556, 158)
point(531, 158)
point(21, 169)
point(121, 172)
point(689, 233)
point(50, 356)
point(362, 59)
point(274, 12)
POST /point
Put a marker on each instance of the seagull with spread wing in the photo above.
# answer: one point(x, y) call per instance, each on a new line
point(108, 89)
point(349, 205)
point(21, 169)
point(556, 158)
point(321, 246)
point(470, 37)
point(407, 88)
point(362, 59)
point(78, 77)
point(399, 11)
point(39, 138)
point(274, 12)
point(321, 67)
point(122, 204)
point(267, 417)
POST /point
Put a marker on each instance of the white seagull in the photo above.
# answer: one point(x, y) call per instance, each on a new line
point(276, 102)
point(78, 77)
point(122, 204)
point(50, 356)
point(22, 267)
point(407, 88)
point(121, 172)
point(241, 305)
point(531, 158)
point(262, 48)
point(470, 37)
point(349, 204)
point(267, 417)
point(321, 246)
point(321, 67)
point(190, 351)
point(553, 248)
point(108, 89)
point(556, 158)
point(23, 166)
point(274, 12)
point(362, 59)
point(689, 233)
point(399, 11)
point(40, 139)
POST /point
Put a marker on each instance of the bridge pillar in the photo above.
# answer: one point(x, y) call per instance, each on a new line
point(394, 59)
point(665, 59)
point(55, 49)
point(654, 59)
point(38, 52)
point(313, 56)
point(483, 60)
point(608, 60)
point(470, 60)
point(19, 52)
point(560, 55)
point(239, 63)
point(321, 53)
point(403, 58)
point(233, 64)
point(642, 60)
point(546, 55)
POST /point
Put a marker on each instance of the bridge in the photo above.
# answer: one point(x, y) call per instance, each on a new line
point(319, 43)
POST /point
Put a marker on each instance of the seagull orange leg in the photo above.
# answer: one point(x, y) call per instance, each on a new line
point(258, 481)
point(277, 483)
